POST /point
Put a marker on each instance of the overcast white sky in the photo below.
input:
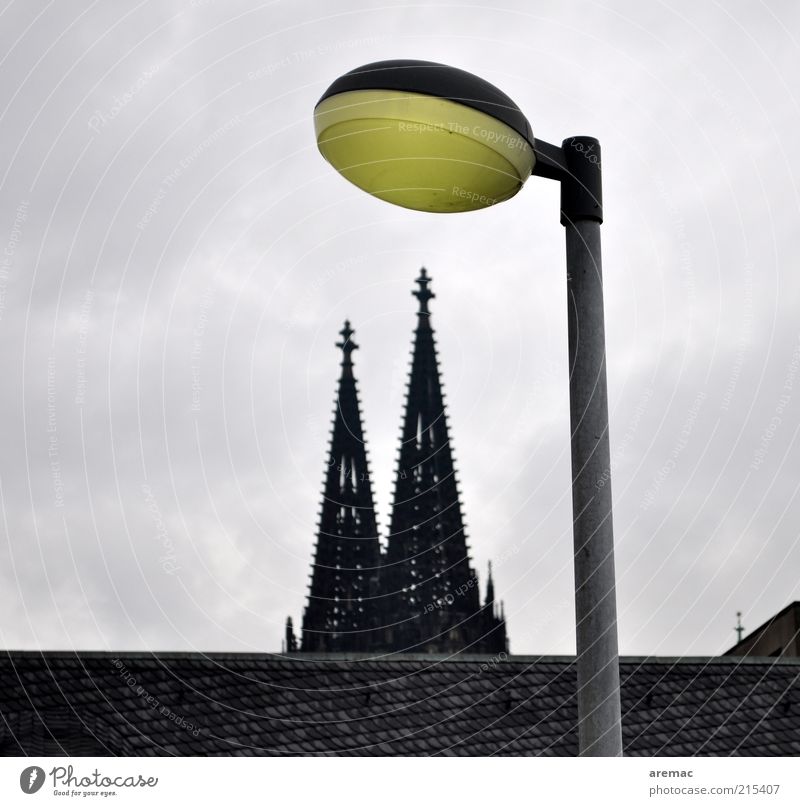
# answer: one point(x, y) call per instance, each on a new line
point(176, 260)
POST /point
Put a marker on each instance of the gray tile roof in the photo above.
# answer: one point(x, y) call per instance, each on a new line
point(220, 704)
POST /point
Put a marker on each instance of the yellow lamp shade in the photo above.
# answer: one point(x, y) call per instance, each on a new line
point(422, 151)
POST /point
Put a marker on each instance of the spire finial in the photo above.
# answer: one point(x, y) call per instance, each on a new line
point(347, 345)
point(739, 629)
point(424, 294)
point(490, 588)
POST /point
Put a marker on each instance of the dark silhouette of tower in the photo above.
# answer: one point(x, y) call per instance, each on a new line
point(422, 594)
point(494, 620)
point(340, 614)
point(432, 596)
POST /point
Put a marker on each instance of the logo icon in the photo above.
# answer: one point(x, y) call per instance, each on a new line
point(31, 780)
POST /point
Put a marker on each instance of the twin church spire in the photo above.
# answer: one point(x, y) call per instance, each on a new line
point(420, 594)
point(340, 613)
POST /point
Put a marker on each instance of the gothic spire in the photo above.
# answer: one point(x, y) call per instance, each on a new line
point(490, 589)
point(433, 591)
point(340, 615)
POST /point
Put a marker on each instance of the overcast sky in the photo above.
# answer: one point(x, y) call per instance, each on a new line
point(176, 260)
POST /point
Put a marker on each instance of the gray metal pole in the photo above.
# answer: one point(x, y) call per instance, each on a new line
point(599, 712)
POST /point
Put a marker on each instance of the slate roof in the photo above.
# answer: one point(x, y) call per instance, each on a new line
point(94, 703)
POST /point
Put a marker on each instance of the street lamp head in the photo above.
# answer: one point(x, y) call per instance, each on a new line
point(425, 136)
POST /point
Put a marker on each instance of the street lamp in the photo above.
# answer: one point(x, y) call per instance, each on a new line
point(431, 137)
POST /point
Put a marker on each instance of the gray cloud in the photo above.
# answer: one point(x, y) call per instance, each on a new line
point(186, 260)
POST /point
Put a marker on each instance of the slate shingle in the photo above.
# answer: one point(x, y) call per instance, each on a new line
point(185, 704)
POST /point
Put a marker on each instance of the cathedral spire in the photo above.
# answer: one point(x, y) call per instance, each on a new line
point(426, 597)
point(432, 591)
point(490, 589)
point(340, 614)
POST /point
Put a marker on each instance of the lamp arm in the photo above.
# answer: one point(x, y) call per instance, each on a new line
point(551, 162)
point(577, 165)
